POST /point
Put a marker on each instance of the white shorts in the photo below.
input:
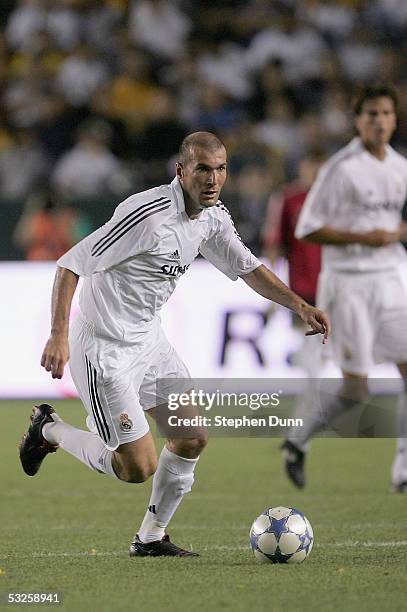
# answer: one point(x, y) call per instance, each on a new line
point(368, 312)
point(117, 381)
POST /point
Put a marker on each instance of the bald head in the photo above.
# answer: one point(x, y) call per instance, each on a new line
point(205, 141)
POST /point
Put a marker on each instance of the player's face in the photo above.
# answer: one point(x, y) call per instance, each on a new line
point(377, 122)
point(203, 177)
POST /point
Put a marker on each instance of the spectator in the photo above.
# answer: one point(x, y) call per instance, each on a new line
point(25, 20)
point(182, 78)
point(89, 169)
point(23, 95)
point(246, 150)
point(249, 203)
point(334, 20)
point(224, 65)
point(47, 229)
point(269, 84)
point(101, 22)
point(56, 124)
point(23, 166)
point(31, 16)
point(81, 74)
point(311, 133)
point(300, 48)
point(388, 19)
point(279, 129)
point(359, 56)
point(161, 138)
point(335, 114)
point(42, 49)
point(217, 112)
point(128, 97)
point(159, 27)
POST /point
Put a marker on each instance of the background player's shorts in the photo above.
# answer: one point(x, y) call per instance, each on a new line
point(117, 381)
point(368, 312)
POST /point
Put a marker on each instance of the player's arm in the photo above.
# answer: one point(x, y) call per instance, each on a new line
point(268, 285)
point(374, 238)
point(56, 351)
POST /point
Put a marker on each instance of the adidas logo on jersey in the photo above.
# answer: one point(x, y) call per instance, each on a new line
point(174, 255)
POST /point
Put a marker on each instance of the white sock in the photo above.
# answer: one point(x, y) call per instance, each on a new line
point(315, 417)
point(309, 356)
point(399, 467)
point(84, 445)
point(173, 479)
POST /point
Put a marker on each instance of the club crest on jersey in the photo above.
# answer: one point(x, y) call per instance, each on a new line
point(125, 422)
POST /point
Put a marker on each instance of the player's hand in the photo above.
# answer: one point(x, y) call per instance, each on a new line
point(55, 355)
point(317, 320)
point(379, 238)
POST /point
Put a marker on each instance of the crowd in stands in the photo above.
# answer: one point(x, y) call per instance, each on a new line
point(96, 95)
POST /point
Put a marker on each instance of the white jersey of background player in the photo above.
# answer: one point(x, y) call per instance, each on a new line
point(354, 209)
point(117, 348)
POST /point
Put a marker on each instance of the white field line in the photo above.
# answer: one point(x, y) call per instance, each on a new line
point(321, 526)
point(202, 527)
point(120, 553)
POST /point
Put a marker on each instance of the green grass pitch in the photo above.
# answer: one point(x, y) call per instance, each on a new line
point(68, 529)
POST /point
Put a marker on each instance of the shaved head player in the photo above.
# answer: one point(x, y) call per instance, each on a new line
point(116, 347)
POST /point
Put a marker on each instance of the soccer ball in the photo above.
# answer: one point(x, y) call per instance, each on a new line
point(281, 535)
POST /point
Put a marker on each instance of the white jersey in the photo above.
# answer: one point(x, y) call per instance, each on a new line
point(355, 191)
point(132, 263)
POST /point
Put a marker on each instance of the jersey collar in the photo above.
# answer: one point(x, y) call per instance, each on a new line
point(178, 195)
point(359, 144)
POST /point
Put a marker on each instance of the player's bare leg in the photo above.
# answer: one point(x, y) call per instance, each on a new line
point(173, 479)
point(135, 461)
point(354, 390)
point(399, 467)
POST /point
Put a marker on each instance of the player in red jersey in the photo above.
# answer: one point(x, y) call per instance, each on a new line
point(304, 259)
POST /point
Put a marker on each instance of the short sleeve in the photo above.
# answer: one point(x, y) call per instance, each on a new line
point(323, 200)
point(225, 249)
point(125, 235)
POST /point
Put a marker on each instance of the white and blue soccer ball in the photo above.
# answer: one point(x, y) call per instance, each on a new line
point(281, 535)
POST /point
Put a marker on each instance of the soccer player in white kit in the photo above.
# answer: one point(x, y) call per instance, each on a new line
point(354, 209)
point(117, 349)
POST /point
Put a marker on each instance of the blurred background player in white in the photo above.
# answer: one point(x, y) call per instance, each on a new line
point(354, 210)
point(117, 349)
